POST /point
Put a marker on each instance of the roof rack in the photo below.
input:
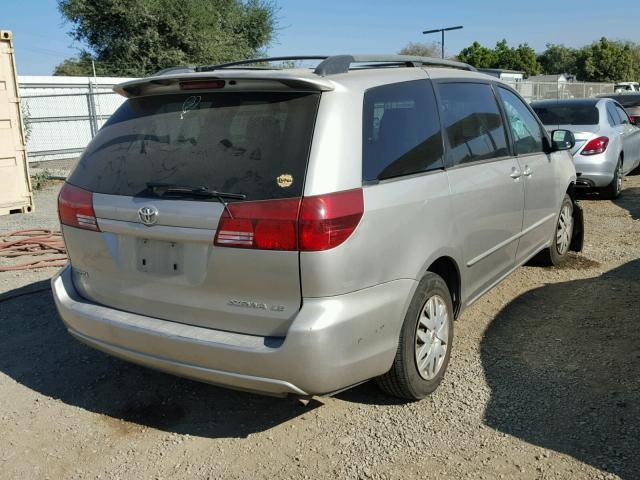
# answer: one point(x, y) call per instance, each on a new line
point(335, 64)
point(342, 63)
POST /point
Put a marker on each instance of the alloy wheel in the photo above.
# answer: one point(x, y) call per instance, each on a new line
point(619, 178)
point(565, 229)
point(432, 337)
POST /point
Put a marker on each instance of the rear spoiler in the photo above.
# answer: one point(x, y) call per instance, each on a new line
point(233, 80)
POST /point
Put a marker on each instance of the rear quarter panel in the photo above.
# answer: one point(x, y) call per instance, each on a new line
point(405, 227)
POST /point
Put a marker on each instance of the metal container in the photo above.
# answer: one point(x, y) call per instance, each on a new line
point(15, 186)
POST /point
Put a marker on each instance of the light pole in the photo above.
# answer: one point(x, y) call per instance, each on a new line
point(442, 30)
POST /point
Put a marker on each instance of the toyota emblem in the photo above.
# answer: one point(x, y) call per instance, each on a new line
point(148, 215)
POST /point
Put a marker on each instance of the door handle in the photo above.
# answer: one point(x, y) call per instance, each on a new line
point(527, 171)
point(515, 173)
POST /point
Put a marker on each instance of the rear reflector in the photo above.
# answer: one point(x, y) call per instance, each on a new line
point(75, 208)
point(202, 84)
point(595, 146)
point(309, 224)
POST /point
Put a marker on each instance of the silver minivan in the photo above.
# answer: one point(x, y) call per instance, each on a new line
point(298, 232)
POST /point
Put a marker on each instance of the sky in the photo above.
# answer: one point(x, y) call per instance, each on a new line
point(357, 26)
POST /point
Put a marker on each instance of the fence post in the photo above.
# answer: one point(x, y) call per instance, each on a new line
point(93, 118)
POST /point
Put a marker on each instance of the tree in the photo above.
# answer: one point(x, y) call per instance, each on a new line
point(478, 56)
point(140, 37)
point(558, 59)
point(607, 61)
point(503, 56)
point(421, 49)
point(526, 60)
point(79, 66)
point(522, 58)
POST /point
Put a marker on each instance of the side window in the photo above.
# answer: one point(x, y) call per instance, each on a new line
point(472, 122)
point(624, 118)
point(526, 131)
point(401, 131)
point(612, 115)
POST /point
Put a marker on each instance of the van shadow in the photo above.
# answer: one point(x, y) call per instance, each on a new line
point(629, 199)
point(562, 362)
point(37, 352)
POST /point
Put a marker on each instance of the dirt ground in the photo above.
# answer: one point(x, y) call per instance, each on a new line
point(543, 384)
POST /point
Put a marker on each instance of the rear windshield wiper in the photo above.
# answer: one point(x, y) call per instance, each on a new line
point(162, 189)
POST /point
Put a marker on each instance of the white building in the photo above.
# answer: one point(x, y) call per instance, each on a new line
point(502, 74)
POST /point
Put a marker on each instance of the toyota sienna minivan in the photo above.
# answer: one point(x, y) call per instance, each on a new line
point(298, 232)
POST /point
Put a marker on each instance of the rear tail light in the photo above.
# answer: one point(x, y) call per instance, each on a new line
point(595, 146)
point(328, 220)
point(633, 118)
point(75, 208)
point(311, 224)
point(267, 224)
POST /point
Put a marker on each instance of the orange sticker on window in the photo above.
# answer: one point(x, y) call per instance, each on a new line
point(285, 180)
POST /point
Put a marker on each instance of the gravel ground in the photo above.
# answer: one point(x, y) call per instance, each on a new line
point(53, 168)
point(543, 384)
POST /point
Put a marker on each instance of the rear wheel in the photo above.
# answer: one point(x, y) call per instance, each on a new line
point(613, 190)
point(562, 236)
point(424, 347)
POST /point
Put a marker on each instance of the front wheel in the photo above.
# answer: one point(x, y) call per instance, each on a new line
point(562, 236)
point(424, 347)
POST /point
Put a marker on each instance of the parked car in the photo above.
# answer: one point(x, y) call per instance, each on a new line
point(300, 232)
point(607, 142)
point(626, 87)
point(629, 101)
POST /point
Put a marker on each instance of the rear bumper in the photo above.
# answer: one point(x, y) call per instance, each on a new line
point(333, 342)
point(595, 170)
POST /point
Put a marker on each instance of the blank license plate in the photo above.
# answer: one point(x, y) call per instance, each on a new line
point(154, 256)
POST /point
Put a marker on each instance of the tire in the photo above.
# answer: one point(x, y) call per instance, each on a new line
point(405, 379)
point(562, 236)
point(612, 191)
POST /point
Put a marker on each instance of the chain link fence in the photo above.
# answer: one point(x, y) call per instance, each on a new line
point(61, 118)
point(532, 91)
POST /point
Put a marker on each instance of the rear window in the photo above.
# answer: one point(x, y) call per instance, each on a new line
point(253, 143)
point(568, 114)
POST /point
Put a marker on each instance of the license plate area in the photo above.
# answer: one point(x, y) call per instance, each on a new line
point(158, 257)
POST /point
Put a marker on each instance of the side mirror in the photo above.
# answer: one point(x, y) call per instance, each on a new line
point(562, 140)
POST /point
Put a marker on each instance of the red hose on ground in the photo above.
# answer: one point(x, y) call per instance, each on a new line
point(35, 242)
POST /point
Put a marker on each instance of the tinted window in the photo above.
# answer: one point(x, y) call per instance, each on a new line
point(472, 122)
point(624, 118)
point(401, 130)
point(525, 129)
point(567, 114)
point(251, 143)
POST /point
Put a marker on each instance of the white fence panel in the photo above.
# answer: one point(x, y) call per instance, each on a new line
point(64, 113)
point(532, 91)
